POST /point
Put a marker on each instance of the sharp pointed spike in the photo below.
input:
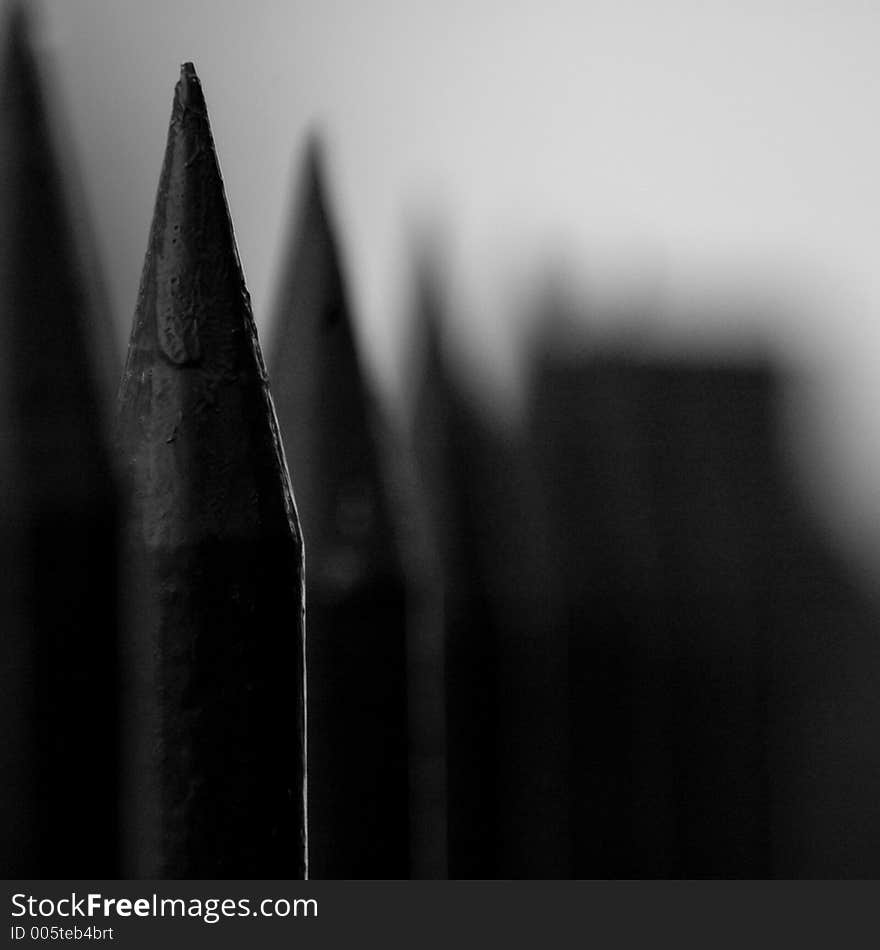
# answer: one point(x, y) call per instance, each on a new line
point(220, 784)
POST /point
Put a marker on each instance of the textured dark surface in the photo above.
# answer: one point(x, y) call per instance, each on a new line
point(215, 722)
point(57, 516)
point(356, 597)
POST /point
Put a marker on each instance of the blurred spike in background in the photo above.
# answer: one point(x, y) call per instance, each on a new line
point(356, 604)
point(215, 706)
point(58, 513)
point(502, 637)
point(464, 635)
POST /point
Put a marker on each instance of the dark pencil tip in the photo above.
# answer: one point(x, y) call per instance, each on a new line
point(189, 88)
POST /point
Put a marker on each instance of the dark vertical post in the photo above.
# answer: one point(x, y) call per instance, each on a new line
point(468, 635)
point(215, 659)
point(587, 439)
point(711, 431)
point(58, 550)
point(530, 651)
point(356, 603)
point(659, 481)
point(822, 672)
point(504, 646)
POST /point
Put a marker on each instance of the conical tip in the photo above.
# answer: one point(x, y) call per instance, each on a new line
point(314, 150)
point(312, 174)
point(189, 88)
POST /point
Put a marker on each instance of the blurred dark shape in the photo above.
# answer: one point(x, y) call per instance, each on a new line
point(503, 643)
point(466, 623)
point(824, 706)
point(356, 603)
point(215, 715)
point(696, 596)
point(654, 492)
point(58, 514)
point(425, 669)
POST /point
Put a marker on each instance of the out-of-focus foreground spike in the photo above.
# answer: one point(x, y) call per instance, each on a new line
point(58, 553)
point(216, 731)
point(356, 598)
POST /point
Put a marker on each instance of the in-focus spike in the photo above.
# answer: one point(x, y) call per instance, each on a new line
point(216, 731)
point(356, 599)
point(58, 535)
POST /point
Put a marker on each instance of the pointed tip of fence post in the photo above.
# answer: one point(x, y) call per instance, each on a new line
point(189, 89)
point(429, 376)
point(313, 176)
point(314, 153)
point(214, 537)
point(192, 249)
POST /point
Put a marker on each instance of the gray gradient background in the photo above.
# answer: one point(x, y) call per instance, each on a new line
point(714, 165)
